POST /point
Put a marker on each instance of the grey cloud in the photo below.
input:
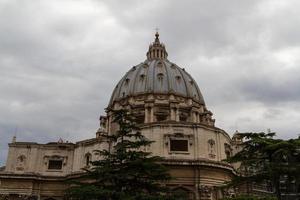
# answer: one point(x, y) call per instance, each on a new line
point(270, 88)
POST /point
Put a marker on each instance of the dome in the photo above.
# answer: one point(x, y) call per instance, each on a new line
point(157, 75)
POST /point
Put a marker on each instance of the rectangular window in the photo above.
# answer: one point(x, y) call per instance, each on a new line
point(179, 145)
point(55, 164)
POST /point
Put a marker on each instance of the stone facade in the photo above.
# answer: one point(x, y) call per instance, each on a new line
point(169, 109)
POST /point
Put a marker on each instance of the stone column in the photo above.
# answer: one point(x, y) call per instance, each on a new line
point(173, 112)
point(146, 115)
point(193, 115)
point(177, 115)
point(149, 113)
point(199, 118)
point(152, 114)
point(108, 123)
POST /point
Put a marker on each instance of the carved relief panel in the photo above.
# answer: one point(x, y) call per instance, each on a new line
point(211, 148)
point(21, 163)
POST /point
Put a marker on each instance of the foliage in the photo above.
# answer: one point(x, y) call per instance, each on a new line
point(264, 159)
point(126, 171)
point(247, 197)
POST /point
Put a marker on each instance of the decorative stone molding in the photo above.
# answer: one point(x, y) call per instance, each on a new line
point(205, 192)
point(211, 148)
point(162, 108)
point(229, 193)
point(4, 197)
point(21, 163)
point(17, 196)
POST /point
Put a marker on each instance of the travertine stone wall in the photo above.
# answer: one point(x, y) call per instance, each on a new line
point(35, 157)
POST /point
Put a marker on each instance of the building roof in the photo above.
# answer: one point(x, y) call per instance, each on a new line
point(157, 75)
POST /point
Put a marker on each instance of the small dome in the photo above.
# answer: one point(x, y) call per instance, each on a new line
point(157, 75)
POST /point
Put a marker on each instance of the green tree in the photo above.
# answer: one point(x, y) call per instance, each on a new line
point(264, 159)
point(126, 171)
point(247, 197)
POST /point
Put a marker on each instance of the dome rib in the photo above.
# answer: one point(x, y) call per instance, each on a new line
point(136, 79)
point(170, 85)
point(185, 84)
point(167, 75)
point(152, 77)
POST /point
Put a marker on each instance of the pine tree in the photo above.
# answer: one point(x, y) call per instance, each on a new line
point(125, 172)
point(264, 159)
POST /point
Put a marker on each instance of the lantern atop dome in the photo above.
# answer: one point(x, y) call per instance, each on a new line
point(157, 50)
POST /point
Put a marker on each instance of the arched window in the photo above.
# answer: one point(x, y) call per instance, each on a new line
point(127, 81)
point(178, 78)
point(142, 77)
point(88, 159)
point(160, 76)
point(228, 150)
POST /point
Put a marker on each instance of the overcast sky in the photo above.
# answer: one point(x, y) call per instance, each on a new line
point(61, 59)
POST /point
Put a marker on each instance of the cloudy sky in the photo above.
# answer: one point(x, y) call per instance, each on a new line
point(60, 60)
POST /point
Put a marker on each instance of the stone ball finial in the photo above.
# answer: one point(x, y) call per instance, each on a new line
point(14, 139)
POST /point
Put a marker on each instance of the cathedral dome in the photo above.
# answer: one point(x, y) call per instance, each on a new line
point(157, 75)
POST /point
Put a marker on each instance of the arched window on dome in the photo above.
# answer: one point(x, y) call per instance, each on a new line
point(178, 78)
point(127, 81)
point(142, 77)
point(160, 76)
